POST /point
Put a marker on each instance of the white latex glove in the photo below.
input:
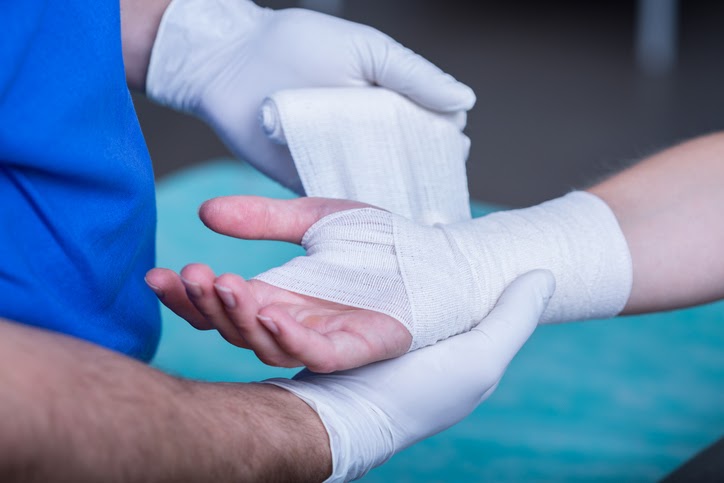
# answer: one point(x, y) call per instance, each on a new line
point(375, 411)
point(219, 59)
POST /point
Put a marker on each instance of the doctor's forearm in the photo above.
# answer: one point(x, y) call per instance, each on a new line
point(139, 25)
point(670, 209)
point(71, 411)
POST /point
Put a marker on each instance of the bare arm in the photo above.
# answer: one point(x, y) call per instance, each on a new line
point(71, 411)
point(139, 24)
point(671, 210)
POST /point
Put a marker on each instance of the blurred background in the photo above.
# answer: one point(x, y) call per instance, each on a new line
point(567, 90)
point(567, 93)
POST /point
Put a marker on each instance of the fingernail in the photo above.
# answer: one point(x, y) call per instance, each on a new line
point(226, 296)
point(157, 290)
point(268, 323)
point(192, 288)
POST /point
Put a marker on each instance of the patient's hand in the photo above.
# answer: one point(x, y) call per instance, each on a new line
point(283, 328)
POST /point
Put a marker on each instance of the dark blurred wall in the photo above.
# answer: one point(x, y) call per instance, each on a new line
point(560, 99)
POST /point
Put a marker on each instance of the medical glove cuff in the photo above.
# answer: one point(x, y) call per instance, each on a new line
point(360, 437)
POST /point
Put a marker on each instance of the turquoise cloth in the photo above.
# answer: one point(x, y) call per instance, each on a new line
point(627, 399)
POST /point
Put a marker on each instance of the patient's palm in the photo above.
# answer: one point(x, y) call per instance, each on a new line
point(326, 335)
point(323, 335)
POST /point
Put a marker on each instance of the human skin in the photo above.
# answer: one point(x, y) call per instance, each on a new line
point(255, 315)
point(72, 411)
point(274, 409)
point(668, 207)
point(139, 24)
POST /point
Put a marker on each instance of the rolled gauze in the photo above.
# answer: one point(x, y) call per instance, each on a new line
point(373, 145)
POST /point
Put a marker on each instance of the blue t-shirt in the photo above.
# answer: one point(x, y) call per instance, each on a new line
point(77, 209)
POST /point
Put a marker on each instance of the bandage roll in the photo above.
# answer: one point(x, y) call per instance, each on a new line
point(373, 145)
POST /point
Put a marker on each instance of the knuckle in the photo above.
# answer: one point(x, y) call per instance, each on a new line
point(190, 269)
point(226, 279)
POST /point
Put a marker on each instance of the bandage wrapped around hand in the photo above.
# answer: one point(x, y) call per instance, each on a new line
point(441, 280)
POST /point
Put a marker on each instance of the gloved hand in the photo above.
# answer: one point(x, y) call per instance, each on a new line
point(375, 411)
point(219, 59)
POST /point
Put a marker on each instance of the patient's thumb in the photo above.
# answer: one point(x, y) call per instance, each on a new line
point(257, 218)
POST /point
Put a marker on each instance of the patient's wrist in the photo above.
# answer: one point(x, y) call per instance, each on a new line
point(576, 237)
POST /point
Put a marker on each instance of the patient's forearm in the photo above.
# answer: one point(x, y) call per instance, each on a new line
point(70, 411)
point(671, 210)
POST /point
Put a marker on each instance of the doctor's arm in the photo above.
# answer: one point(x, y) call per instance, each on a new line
point(139, 25)
point(72, 411)
point(219, 59)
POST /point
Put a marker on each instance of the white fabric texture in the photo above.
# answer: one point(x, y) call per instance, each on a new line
point(577, 237)
point(375, 411)
point(374, 145)
point(442, 280)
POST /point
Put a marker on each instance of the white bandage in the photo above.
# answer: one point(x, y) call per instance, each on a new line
point(440, 281)
point(374, 145)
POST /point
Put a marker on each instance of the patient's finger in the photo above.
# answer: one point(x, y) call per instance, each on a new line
point(256, 218)
point(242, 307)
point(316, 351)
point(199, 282)
point(336, 343)
point(171, 292)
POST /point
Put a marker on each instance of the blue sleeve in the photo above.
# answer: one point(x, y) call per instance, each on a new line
point(76, 185)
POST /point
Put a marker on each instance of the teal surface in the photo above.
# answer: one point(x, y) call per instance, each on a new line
point(626, 399)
